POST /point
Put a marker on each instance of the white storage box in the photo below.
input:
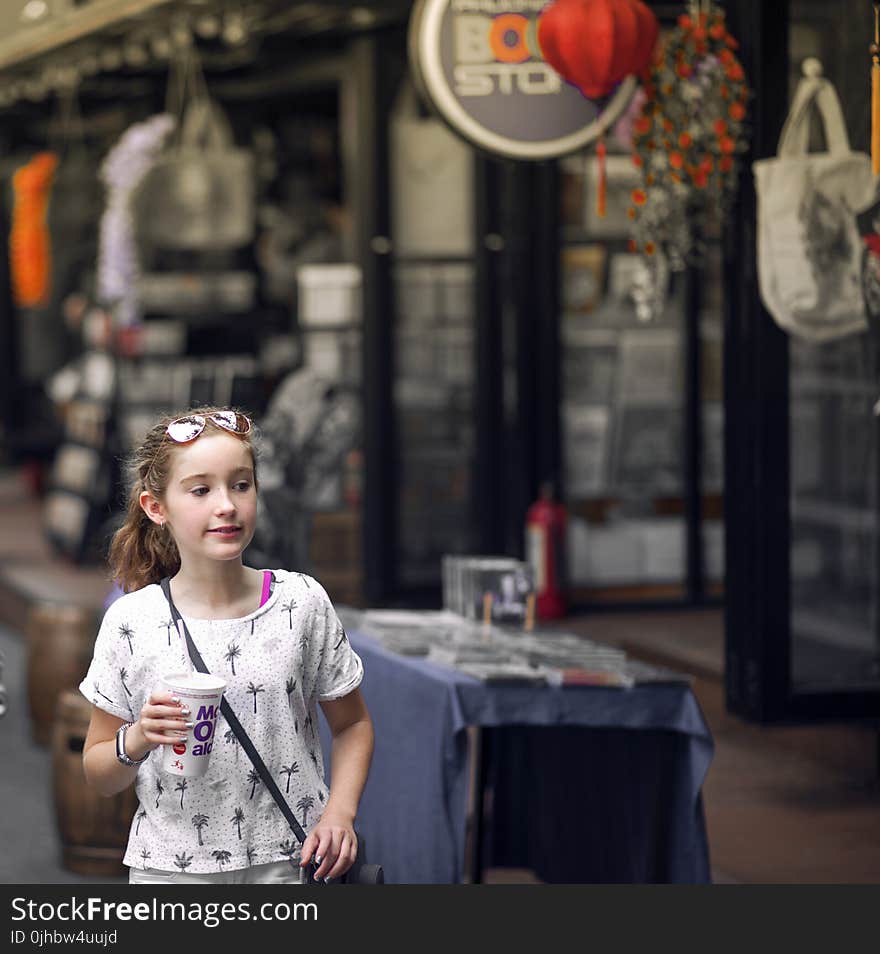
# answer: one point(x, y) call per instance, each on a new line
point(606, 555)
point(328, 294)
point(663, 547)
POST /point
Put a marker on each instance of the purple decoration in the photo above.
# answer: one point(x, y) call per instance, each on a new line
point(122, 171)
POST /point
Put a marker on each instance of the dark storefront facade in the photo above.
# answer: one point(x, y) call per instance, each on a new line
point(498, 344)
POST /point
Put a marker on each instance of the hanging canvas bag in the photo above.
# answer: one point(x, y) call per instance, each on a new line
point(809, 249)
point(200, 193)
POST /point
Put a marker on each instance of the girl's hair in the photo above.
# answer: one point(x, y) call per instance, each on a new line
point(142, 552)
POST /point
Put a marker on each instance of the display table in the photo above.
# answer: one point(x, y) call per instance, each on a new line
point(588, 784)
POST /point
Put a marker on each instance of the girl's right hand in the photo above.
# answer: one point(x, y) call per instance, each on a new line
point(164, 720)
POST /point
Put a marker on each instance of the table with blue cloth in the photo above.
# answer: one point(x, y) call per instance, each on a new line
point(587, 784)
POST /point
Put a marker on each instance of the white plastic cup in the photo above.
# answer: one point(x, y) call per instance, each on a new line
point(201, 692)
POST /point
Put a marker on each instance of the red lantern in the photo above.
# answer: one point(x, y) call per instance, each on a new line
point(594, 44)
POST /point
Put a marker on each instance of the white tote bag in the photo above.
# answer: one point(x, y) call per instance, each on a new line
point(809, 248)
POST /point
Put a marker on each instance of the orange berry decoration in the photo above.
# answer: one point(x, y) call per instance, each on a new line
point(691, 126)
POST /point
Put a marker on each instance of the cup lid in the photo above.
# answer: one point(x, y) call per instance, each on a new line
point(199, 681)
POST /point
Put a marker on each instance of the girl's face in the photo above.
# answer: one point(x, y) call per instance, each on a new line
point(211, 502)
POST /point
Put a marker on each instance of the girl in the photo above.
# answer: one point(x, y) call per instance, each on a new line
point(272, 635)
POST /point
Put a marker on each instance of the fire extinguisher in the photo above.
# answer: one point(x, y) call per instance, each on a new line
point(546, 521)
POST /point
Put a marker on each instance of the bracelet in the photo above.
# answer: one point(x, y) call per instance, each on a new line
point(120, 746)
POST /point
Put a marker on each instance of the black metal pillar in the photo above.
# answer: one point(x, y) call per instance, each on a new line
point(369, 90)
point(531, 321)
point(693, 438)
point(756, 470)
point(489, 494)
point(545, 255)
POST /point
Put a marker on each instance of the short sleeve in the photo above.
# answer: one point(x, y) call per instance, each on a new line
point(340, 669)
point(104, 683)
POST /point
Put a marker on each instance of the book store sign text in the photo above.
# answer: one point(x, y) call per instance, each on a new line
point(479, 65)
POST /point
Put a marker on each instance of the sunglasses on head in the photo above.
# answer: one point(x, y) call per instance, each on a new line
point(187, 428)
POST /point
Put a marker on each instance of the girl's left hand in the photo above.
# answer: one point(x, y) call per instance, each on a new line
point(333, 844)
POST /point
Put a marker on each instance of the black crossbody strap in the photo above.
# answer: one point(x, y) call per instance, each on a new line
point(234, 724)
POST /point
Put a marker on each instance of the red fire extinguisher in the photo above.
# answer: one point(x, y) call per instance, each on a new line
point(546, 521)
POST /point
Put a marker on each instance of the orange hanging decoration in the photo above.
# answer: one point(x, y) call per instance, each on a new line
point(30, 256)
point(688, 139)
point(602, 186)
point(875, 94)
point(596, 44)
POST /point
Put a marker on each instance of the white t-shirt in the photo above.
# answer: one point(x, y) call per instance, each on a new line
point(278, 662)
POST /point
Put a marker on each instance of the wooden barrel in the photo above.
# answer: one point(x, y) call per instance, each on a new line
point(60, 641)
point(93, 829)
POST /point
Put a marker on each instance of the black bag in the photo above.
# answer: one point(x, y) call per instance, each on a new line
point(359, 872)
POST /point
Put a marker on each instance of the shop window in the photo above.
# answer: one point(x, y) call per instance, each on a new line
point(623, 401)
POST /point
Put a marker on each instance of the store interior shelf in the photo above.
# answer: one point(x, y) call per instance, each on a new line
point(341, 326)
point(600, 509)
point(822, 384)
point(843, 516)
point(636, 593)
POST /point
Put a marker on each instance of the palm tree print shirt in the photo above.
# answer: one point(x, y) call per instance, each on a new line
point(278, 662)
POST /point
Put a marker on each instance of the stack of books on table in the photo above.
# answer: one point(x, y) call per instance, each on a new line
point(408, 632)
point(506, 655)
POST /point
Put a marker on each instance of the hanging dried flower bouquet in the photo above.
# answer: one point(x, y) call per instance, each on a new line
point(687, 139)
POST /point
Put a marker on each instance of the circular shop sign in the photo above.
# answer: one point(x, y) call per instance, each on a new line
point(479, 65)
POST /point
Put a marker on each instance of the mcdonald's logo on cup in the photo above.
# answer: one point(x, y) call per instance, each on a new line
point(201, 693)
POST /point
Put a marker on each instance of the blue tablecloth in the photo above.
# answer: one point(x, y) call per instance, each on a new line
point(590, 784)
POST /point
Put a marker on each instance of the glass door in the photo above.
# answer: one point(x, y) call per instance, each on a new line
point(433, 289)
point(801, 463)
point(833, 429)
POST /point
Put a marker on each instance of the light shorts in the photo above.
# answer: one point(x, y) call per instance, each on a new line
point(276, 872)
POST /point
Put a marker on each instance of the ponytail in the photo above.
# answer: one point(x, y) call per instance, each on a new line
point(141, 552)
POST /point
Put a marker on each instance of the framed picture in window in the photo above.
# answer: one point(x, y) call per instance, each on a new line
point(589, 365)
point(585, 431)
point(650, 366)
point(647, 453)
point(583, 277)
